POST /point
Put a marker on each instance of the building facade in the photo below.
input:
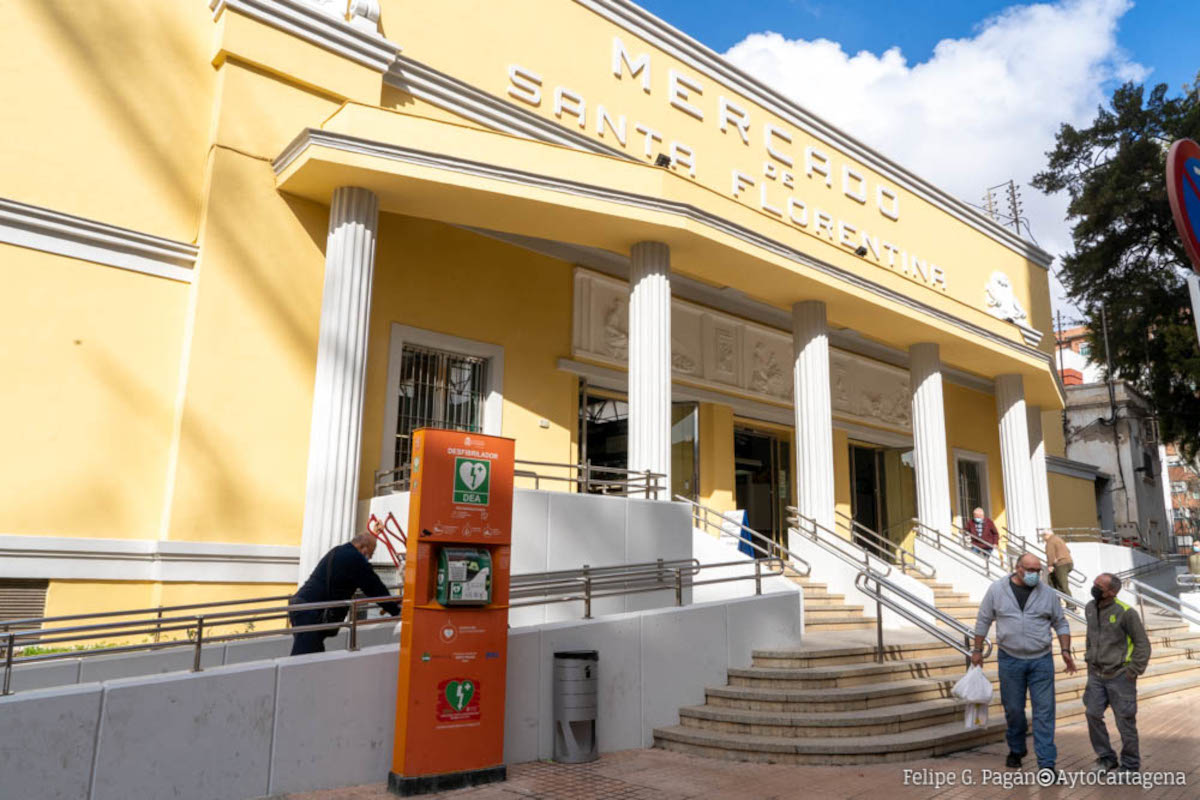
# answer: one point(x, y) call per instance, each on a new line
point(250, 245)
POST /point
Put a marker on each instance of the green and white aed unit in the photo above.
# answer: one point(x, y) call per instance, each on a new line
point(464, 576)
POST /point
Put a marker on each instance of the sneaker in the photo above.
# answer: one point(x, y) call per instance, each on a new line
point(1129, 769)
point(1014, 760)
point(1106, 764)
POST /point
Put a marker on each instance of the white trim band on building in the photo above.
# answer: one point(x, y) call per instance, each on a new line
point(78, 558)
point(306, 22)
point(314, 137)
point(67, 235)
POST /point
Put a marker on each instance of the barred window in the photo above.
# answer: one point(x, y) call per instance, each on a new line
point(438, 389)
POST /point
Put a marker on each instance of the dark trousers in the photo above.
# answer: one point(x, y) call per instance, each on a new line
point(1035, 676)
point(1058, 577)
point(306, 641)
point(1119, 693)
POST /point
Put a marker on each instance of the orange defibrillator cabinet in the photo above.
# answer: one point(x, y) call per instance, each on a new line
point(454, 636)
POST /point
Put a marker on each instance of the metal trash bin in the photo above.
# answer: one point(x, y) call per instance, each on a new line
point(575, 683)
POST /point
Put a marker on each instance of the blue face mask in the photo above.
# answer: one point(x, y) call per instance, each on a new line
point(1031, 578)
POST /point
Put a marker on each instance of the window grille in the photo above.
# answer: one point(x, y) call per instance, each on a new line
point(438, 389)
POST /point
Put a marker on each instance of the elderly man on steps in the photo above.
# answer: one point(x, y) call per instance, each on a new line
point(1026, 613)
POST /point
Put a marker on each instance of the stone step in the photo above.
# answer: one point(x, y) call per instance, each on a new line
point(863, 722)
point(861, 654)
point(824, 599)
point(952, 664)
point(799, 658)
point(843, 623)
point(788, 742)
point(910, 690)
point(926, 742)
point(827, 610)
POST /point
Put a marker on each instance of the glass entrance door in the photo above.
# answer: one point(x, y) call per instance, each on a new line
point(762, 479)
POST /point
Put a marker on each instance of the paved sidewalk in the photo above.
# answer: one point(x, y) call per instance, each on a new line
point(1170, 737)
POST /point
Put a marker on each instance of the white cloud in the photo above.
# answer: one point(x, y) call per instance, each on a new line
point(979, 111)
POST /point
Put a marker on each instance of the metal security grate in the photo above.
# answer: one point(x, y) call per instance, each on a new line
point(21, 599)
point(438, 389)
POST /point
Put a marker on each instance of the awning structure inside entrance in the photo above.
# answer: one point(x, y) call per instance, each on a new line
point(470, 177)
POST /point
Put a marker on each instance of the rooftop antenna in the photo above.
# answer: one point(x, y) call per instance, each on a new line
point(991, 204)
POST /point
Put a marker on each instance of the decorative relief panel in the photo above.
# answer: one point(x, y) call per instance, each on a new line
point(724, 352)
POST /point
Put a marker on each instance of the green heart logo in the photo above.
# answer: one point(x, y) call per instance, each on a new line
point(459, 693)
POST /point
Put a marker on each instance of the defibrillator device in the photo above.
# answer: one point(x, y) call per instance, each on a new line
point(464, 576)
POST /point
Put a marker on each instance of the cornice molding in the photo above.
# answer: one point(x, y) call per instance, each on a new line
point(312, 137)
point(40, 228)
point(71, 558)
point(706, 61)
point(352, 40)
point(1075, 469)
point(463, 99)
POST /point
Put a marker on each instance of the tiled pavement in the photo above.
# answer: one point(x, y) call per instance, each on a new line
point(1168, 727)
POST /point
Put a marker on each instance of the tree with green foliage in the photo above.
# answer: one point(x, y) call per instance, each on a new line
point(1127, 256)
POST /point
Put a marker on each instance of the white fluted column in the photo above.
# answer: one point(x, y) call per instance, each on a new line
point(335, 437)
point(1037, 455)
point(929, 437)
point(650, 360)
point(1020, 506)
point(814, 412)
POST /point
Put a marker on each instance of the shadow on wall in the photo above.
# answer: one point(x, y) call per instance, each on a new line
point(115, 75)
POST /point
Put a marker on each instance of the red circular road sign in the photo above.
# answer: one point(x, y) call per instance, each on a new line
point(1183, 190)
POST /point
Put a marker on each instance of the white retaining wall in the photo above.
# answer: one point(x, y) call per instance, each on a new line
point(327, 720)
point(560, 530)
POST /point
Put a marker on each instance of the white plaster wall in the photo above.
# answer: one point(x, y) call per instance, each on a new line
point(321, 721)
point(710, 550)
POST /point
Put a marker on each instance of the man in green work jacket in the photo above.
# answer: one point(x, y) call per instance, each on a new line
point(1118, 651)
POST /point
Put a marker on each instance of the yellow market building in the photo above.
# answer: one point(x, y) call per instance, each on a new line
point(249, 245)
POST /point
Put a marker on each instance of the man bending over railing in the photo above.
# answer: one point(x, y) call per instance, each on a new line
point(339, 572)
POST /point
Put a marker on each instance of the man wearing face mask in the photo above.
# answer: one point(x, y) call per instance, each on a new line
point(1118, 651)
point(1194, 559)
point(1027, 613)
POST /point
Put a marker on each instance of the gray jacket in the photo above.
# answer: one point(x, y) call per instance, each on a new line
point(1022, 634)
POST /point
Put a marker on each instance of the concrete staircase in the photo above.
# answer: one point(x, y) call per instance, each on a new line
point(825, 612)
point(830, 702)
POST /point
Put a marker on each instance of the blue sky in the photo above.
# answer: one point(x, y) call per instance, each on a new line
point(1149, 32)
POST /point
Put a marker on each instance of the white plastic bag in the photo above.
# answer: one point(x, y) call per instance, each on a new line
point(976, 689)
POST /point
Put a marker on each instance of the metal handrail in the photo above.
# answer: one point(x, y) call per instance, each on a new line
point(797, 521)
point(1074, 577)
point(1188, 580)
point(764, 545)
point(954, 548)
point(1163, 601)
point(965, 630)
point(881, 544)
point(582, 585)
point(588, 477)
point(1075, 615)
point(1141, 569)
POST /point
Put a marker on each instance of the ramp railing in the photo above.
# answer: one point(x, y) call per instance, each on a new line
point(201, 624)
point(712, 521)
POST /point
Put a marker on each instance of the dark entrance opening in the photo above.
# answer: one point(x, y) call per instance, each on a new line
point(762, 480)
